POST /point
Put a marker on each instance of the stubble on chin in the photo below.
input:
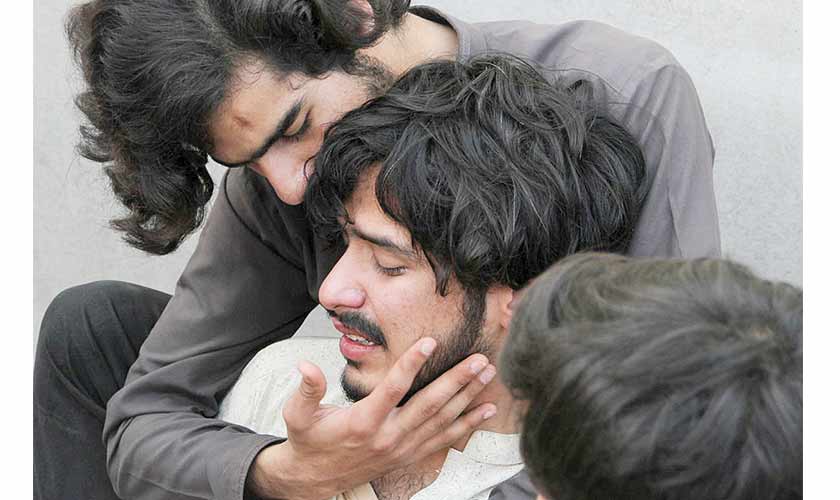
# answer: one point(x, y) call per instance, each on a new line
point(352, 391)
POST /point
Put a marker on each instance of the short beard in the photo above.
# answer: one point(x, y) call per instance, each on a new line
point(465, 339)
point(376, 76)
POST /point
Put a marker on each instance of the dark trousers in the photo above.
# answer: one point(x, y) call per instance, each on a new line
point(90, 336)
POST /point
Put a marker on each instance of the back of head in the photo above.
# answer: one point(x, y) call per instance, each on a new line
point(155, 70)
point(495, 171)
point(659, 379)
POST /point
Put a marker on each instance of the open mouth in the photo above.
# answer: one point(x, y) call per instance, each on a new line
point(354, 345)
point(359, 340)
point(352, 334)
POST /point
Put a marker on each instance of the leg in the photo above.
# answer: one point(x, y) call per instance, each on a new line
point(90, 336)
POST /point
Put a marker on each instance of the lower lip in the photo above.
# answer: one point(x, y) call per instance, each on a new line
point(355, 351)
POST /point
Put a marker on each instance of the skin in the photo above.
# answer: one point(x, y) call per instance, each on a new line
point(247, 130)
point(378, 278)
point(243, 130)
point(381, 277)
point(274, 125)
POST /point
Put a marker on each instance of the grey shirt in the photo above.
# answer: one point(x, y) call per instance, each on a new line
point(255, 273)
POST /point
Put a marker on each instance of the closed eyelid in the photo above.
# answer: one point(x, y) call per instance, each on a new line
point(302, 129)
point(391, 270)
point(289, 118)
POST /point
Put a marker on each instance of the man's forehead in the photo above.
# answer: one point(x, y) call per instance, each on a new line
point(256, 91)
point(367, 216)
point(255, 104)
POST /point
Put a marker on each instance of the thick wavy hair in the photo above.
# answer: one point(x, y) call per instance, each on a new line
point(155, 70)
point(655, 379)
point(495, 171)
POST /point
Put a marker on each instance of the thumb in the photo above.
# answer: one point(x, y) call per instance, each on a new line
point(299, 410)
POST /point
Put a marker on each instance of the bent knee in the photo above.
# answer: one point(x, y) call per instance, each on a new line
point(82, 318)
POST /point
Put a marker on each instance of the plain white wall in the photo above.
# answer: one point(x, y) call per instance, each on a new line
point(745, 57)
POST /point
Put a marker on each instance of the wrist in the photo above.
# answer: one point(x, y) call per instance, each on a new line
point(270, 474)
point(276, 475)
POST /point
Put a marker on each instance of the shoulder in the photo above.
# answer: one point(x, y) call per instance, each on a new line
point(271, 377)
point(646, 90)
point(639, 81)
point(582, 49)
point(283, 356)
point(253, 199)
point(282, 228)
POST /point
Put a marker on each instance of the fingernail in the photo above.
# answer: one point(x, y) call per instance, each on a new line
point(489, 413)
point(477, 366)
point(487, 375)
point(427, 347)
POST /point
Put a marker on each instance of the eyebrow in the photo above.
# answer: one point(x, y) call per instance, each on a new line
point(383, 242)
point(282, 128)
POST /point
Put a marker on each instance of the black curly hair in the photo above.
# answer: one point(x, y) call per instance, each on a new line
point(495, 171)
point(155, 70)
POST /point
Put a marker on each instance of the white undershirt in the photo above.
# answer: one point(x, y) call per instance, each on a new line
point(266, 383)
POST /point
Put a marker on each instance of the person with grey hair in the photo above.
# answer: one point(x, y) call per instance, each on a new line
point(654, 379)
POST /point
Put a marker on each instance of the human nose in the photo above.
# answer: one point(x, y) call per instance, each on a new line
point(286, 174)
point(279, 166)
point(340, 289)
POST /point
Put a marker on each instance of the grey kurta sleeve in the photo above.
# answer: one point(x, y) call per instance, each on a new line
point(680, 217)
point(238, 294)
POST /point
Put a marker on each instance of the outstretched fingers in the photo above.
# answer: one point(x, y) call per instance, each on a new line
point(442, 401)
point(462, 427)
point(376, 407)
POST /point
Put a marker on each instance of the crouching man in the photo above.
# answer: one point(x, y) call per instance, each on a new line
point(446, 195)
point(655, 379)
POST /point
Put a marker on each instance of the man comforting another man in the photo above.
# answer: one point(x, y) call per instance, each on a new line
point(450, 192)
point(645, 379)
point(135, 376)
point(628, 379)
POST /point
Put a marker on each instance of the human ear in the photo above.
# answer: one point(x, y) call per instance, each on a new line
point(504, 300)
point(511, 305)
point(364, 7)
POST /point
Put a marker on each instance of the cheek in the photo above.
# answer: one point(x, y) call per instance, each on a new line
point(416, 314)
point(396, 314)
point(338, 96)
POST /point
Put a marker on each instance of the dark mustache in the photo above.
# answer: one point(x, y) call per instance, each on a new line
point(362, 325)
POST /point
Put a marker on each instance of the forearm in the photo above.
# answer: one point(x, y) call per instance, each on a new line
point(164, 465)
point(273, 475)
point(237, 295)
point(161, 436)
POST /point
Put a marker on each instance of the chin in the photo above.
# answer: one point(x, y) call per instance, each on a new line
point(353, 385)
point(293, 199)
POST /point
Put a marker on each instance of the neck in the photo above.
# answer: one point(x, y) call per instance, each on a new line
point(506, 419)
point(508, 411)
point(416, 41)
point(420, 474)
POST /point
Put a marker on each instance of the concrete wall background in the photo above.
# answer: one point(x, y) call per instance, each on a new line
point(745, 57)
